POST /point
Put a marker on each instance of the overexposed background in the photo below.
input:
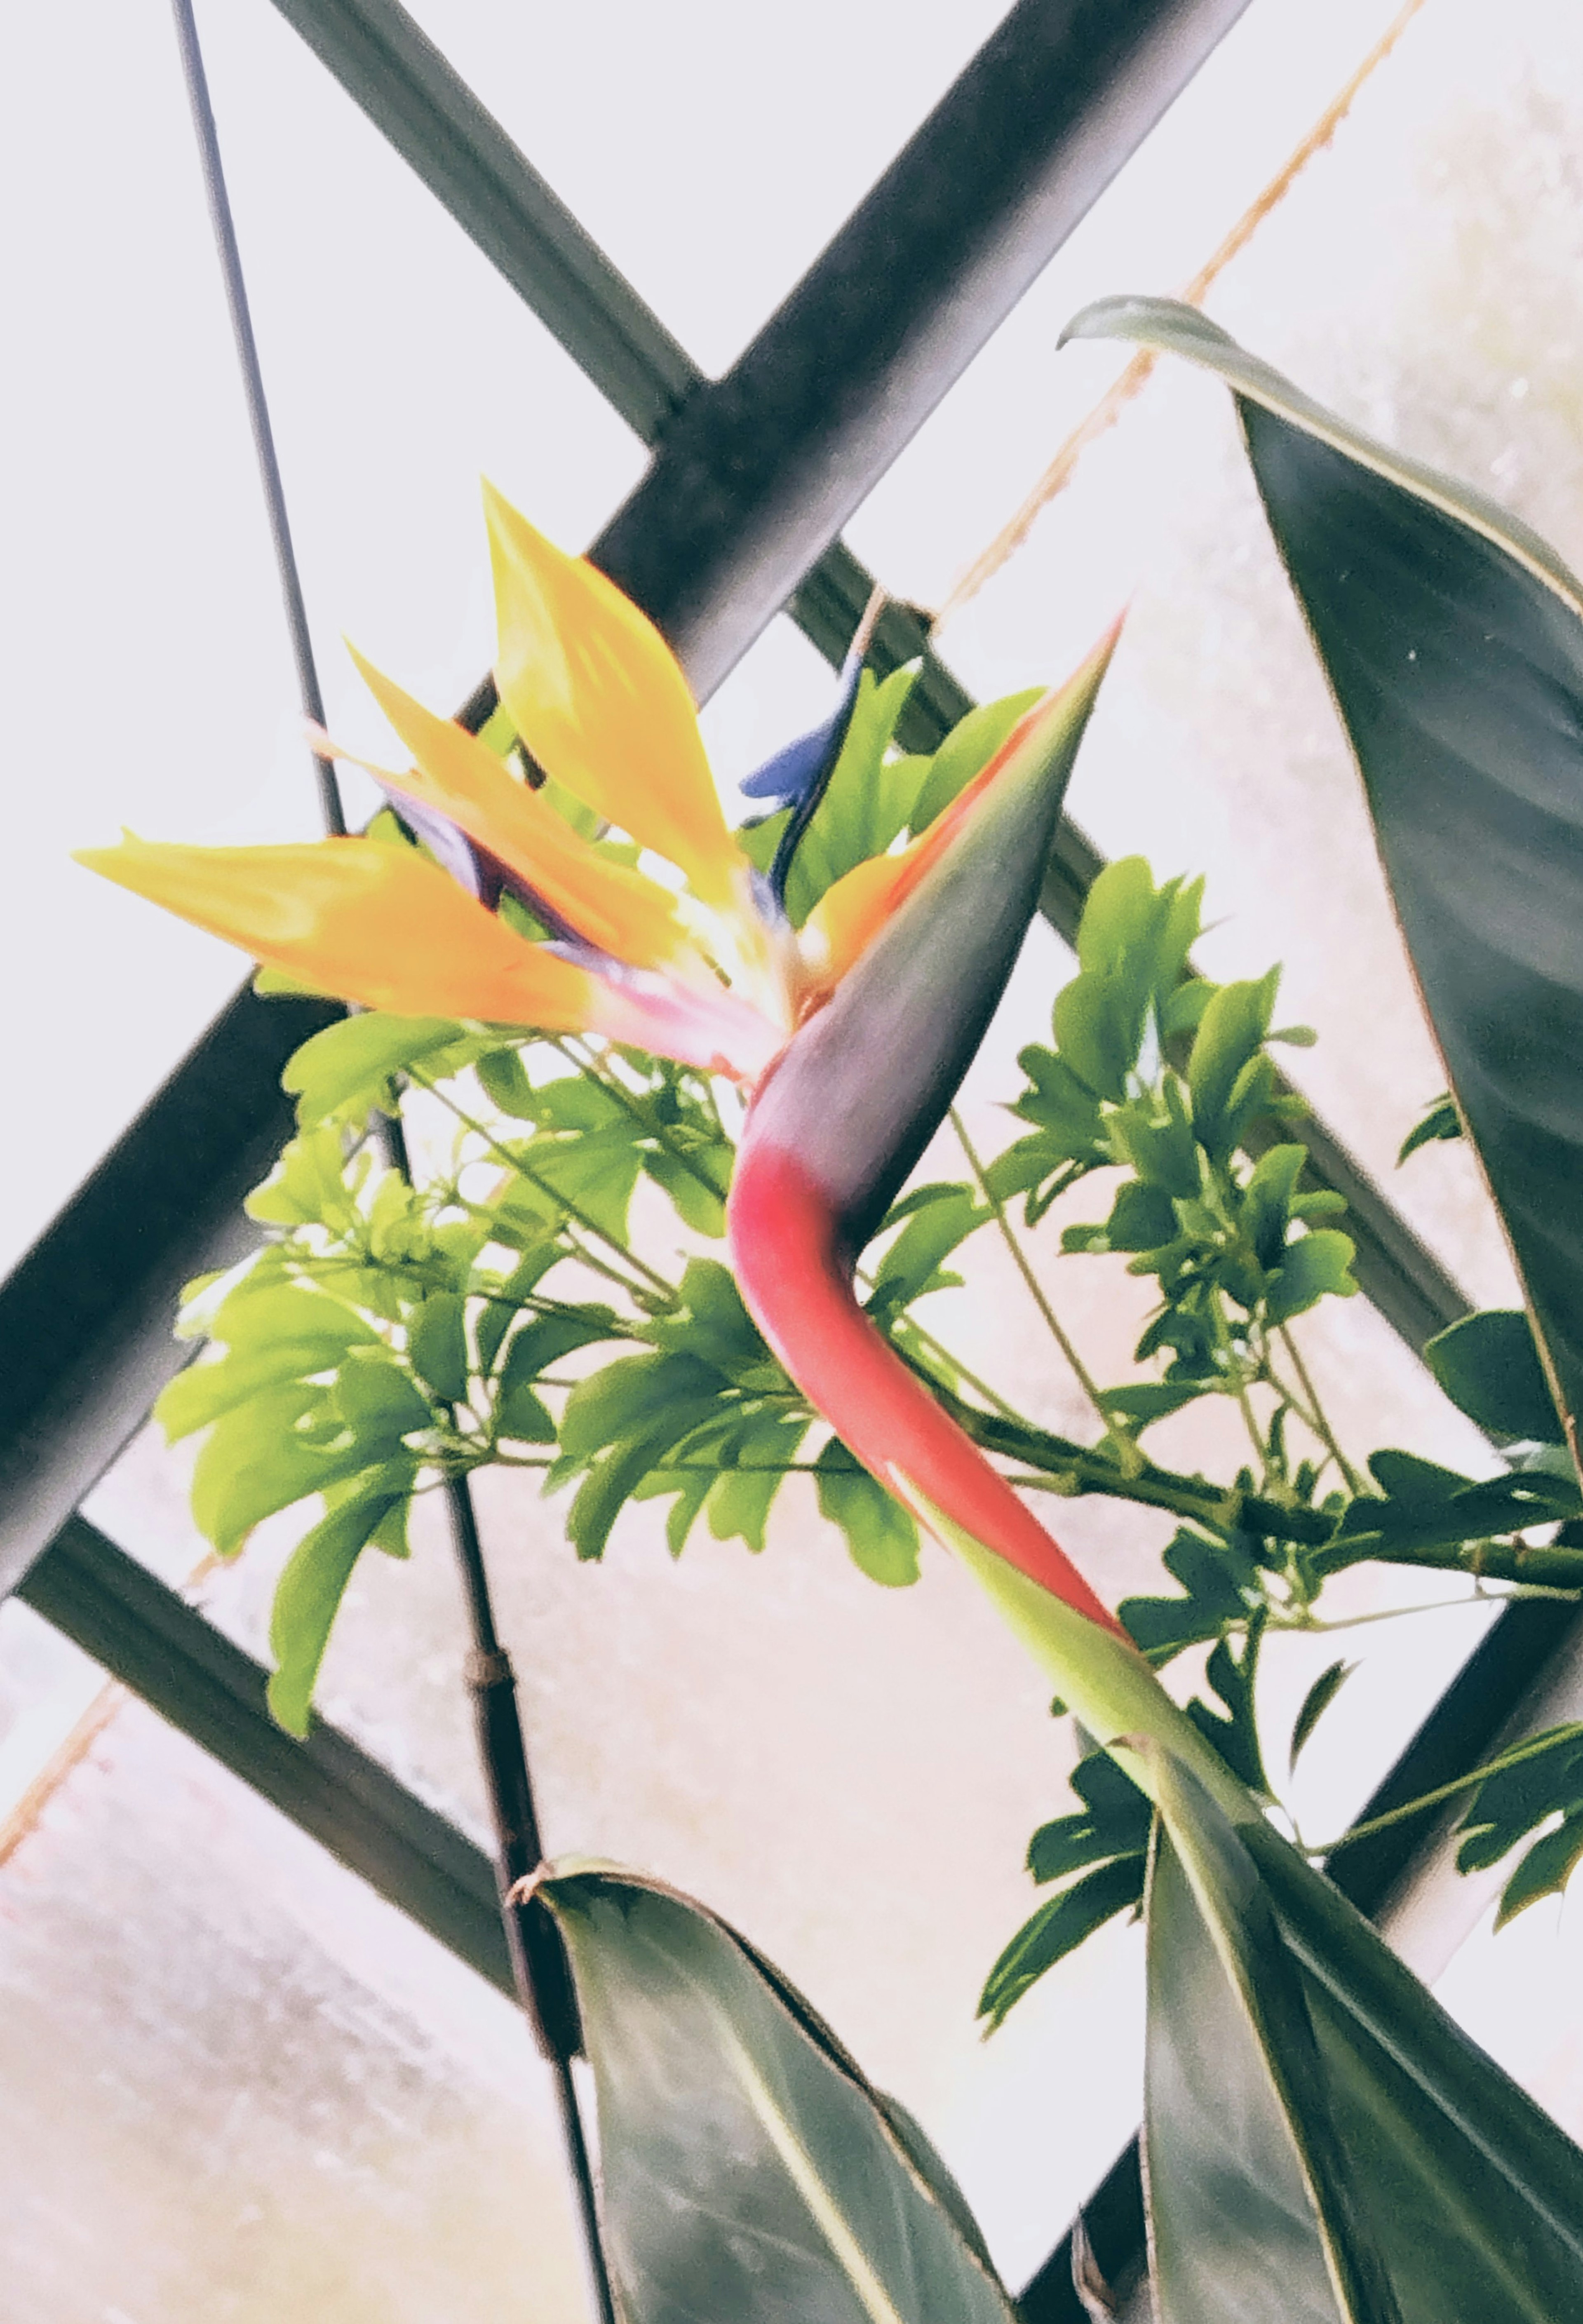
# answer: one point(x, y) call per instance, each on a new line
point(238, 2085)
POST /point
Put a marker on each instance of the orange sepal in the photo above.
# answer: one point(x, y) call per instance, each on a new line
point(851, 913)
point(363, 922)
point(598, 698)
point(619, 909)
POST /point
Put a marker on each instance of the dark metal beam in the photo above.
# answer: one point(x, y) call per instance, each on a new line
point(760, 471)
point(425, 109)
point(85, 1317)
point(151, 1640)
point(83, 1344)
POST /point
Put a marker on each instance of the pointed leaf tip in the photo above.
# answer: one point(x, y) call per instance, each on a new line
point(934, 932)
point(599, 700)
point(1451, 636)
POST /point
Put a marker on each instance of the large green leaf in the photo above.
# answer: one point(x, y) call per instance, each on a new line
point(750, 2174)
point(1394, 2129)
point(1254, 2211)
point(1299, 2073)
point(1453, 642)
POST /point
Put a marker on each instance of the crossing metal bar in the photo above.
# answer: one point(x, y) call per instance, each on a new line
point(83, 1345)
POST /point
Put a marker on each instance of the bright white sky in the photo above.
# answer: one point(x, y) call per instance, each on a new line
point(711, 149)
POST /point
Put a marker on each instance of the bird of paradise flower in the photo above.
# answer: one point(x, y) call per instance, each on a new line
point(848, 1036)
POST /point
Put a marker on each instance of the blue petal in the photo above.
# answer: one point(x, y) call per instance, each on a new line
point(797, 775)
point(474, 868)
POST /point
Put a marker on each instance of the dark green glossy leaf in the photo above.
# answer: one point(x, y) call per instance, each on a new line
point(1215, 1575)
point(1425, 1509)
point(1255, 2214)
point(1315, 1703)
point(1452, 639)
point(1114, 1821)
point(1489, 1367)
point(1062, 1924)
point(749, 2173)
point(1475, 2196)
point(1515, 1803)
point(1441, 1120)
point(1234, 1732)
point(1149, 1400)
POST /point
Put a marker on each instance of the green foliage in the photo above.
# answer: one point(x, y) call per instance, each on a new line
point(1489, 1367)
point(875, 797)
point(1164, 1075)
point(506, 1309)
point(1440, 1120)
point(1521, 1800)
point(1424, 1514)
point(808, 2194)
point(1315, 1703)
point(1220, 1577)
point(1100, 1852)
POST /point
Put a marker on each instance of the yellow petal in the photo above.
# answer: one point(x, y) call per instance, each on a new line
point(361, 922)
point(624, 914)
point(597, 698)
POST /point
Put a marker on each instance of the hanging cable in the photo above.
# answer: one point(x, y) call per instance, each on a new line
point(539, 1963)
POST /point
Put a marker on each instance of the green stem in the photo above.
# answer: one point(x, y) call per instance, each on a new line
point(968, 1379)
point(1234, 1373)
point(1311, 1625)
point(1080, 1372)
point(598, 1069)
point(1314, 1418)
point(1551, 1566)
point(1532, 1750)
point(1084, 1470)
point(526, 1170)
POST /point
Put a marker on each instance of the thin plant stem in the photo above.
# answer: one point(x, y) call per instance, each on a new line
point(1310, 1624)
point(1532, 1750)
point(1314, 1418)
point(587, 1061)
point(1239, 1386)
point(524, 1170)
point(1080, 1372)
point(968, 1379)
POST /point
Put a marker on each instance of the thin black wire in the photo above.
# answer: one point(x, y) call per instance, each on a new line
point(537, 1958)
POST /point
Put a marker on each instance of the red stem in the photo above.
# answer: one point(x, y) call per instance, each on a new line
point(798, 1288)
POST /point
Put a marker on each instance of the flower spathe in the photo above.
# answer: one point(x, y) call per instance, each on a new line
point(849, 1036)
